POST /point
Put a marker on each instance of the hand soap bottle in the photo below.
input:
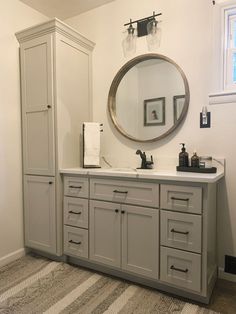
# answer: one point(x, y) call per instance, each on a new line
point(183, 157)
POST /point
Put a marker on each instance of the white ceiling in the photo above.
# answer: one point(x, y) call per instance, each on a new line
point(64, 9)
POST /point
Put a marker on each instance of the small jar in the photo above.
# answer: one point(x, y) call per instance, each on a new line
point(205, 162)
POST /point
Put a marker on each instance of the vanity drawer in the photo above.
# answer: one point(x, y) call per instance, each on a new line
point(76, 186)
point(75, 241)
point(76, 212)
point(181, 231)
point(126, 192)
point(180, 268)
point(181, 198)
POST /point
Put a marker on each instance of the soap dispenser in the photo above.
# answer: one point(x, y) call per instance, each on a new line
point(183, 157)
point(195, 160)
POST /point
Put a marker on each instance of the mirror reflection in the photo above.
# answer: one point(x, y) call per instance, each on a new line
point(148, 98)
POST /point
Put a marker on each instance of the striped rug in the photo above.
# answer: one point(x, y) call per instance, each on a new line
point(34, 284)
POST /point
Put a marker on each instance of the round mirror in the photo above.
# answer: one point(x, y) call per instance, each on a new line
point(148, 98)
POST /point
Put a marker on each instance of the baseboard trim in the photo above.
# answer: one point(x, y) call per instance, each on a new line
point(12, 257)
point(223, 275)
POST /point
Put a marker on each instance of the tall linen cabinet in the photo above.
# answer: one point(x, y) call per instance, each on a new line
point(55, 63)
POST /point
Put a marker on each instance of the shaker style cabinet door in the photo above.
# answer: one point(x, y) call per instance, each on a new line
point(104, 232)
point(140, 240)
point(40, 213)
point(37, 106)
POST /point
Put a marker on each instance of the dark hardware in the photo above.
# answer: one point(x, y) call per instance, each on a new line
point(180, 232)
point(122, 192)
point(71, 212)
point(142, 24)
point(180, 199)
point(48, 106)
point(74, 242)
point(122, 212)
point(179, 269)
point(50, 182)
point(117, 210)
point(75, 187)
point(145, 164)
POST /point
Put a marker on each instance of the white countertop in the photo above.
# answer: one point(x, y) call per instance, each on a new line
point(153, 174)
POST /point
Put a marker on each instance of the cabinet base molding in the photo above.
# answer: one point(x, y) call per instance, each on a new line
point(162, 287)
point(12, 257)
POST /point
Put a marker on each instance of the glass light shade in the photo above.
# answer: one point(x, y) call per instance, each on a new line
point(153, 35)
point(129, 43)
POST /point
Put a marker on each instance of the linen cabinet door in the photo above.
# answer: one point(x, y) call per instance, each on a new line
point(37, 106)
point(105, 237)
point(140, 242)
point(40, 213)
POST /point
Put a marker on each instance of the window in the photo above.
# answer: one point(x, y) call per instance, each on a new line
point(223, 83)
point(230, 48)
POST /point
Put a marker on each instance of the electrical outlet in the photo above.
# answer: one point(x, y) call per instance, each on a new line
point(205, 122)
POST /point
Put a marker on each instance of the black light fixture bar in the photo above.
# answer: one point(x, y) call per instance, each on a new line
point(143, 19)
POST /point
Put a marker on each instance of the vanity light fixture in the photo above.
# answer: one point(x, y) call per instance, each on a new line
point(147, 26)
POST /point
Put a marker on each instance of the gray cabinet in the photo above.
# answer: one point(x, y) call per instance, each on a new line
point(40, 213)
point(37, 106)
point(122, 235)
point(55, 63)
point(125, 236)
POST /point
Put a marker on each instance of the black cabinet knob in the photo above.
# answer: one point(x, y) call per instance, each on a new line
point(122, 212)
point(117, 210)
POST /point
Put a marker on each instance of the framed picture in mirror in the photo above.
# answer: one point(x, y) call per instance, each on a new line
point(154, 111)
point(178, 102)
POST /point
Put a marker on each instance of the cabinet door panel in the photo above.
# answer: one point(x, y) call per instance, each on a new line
point(39, 213)
point(140, 241)
point(37, 106)
point(105, 233)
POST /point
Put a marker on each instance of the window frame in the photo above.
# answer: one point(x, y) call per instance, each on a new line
point(228, 14)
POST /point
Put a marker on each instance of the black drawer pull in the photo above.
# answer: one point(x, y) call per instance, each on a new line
point(75, 187)
point(71, 212)
point(48, 106)
point(117, 210)
point(122, 192)
point(74, 242)
point(179, 269)
point(180, 232)
point(179, 199)
point(50, 182)
point(122, 212)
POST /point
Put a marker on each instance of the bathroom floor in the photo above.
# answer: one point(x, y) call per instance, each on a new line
point(224, 297)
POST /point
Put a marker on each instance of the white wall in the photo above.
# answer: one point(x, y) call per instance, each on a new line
point(14, 16)
point(187, 39)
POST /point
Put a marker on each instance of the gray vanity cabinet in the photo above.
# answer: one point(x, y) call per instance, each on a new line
point(55, 63)
point(40, 213)
point(125, 236)
point(157, 232)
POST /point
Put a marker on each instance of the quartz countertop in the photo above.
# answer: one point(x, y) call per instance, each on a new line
point(150, 174)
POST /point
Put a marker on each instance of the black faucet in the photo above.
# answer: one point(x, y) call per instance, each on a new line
point(145, 164)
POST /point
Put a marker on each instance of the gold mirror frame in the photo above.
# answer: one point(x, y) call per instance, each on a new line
point(114, 86)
